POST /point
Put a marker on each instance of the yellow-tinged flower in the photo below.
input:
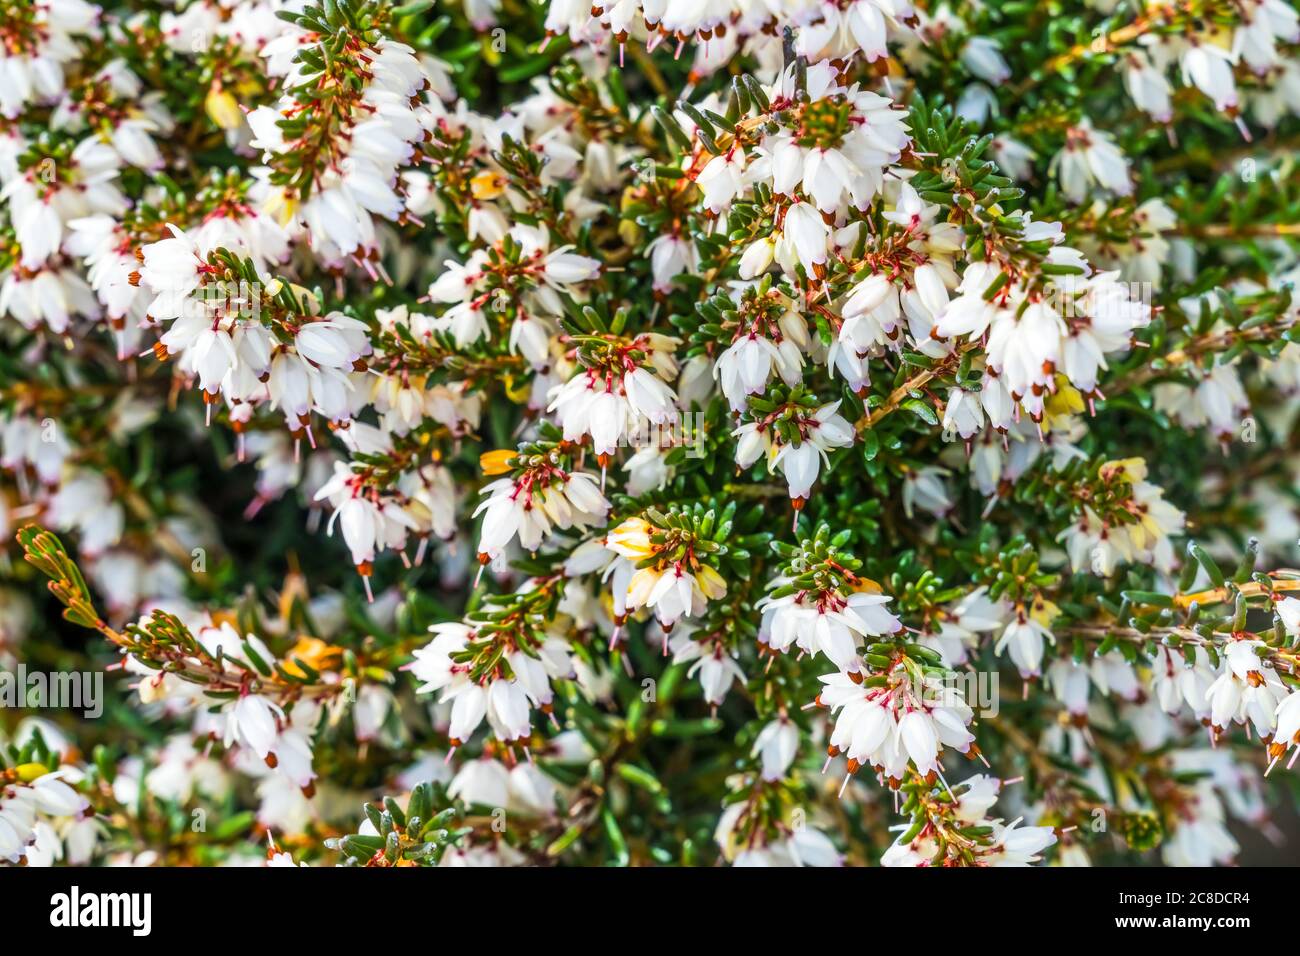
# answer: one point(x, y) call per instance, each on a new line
point(491, 49)
point(313, 652)
point(711, 582)
point(662, 343)
point(1132, 469)
point(496, 462)
point(628, 230)
point(1219, 35)
point(518, 390)
point(487, 185)
point(248, 88)
point(223, 616)
point(631, 539)
point(292, 592)
point(606, 599)
point(1064, 402)
point(222, 108)
point(27, 772)
point(1044, 612)
point(1154, 529)
point(1144, 534)
point(280, 206)
point(307, 298)
point(867, 586)
point(641, 585)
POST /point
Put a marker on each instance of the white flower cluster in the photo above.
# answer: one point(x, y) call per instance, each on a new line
point(1207, 62)
point(385, 278)
point(507, 703)
point(822, 31)
point(255, 723)
point(1010, 844)
point(43, 819)
point(360, 164)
